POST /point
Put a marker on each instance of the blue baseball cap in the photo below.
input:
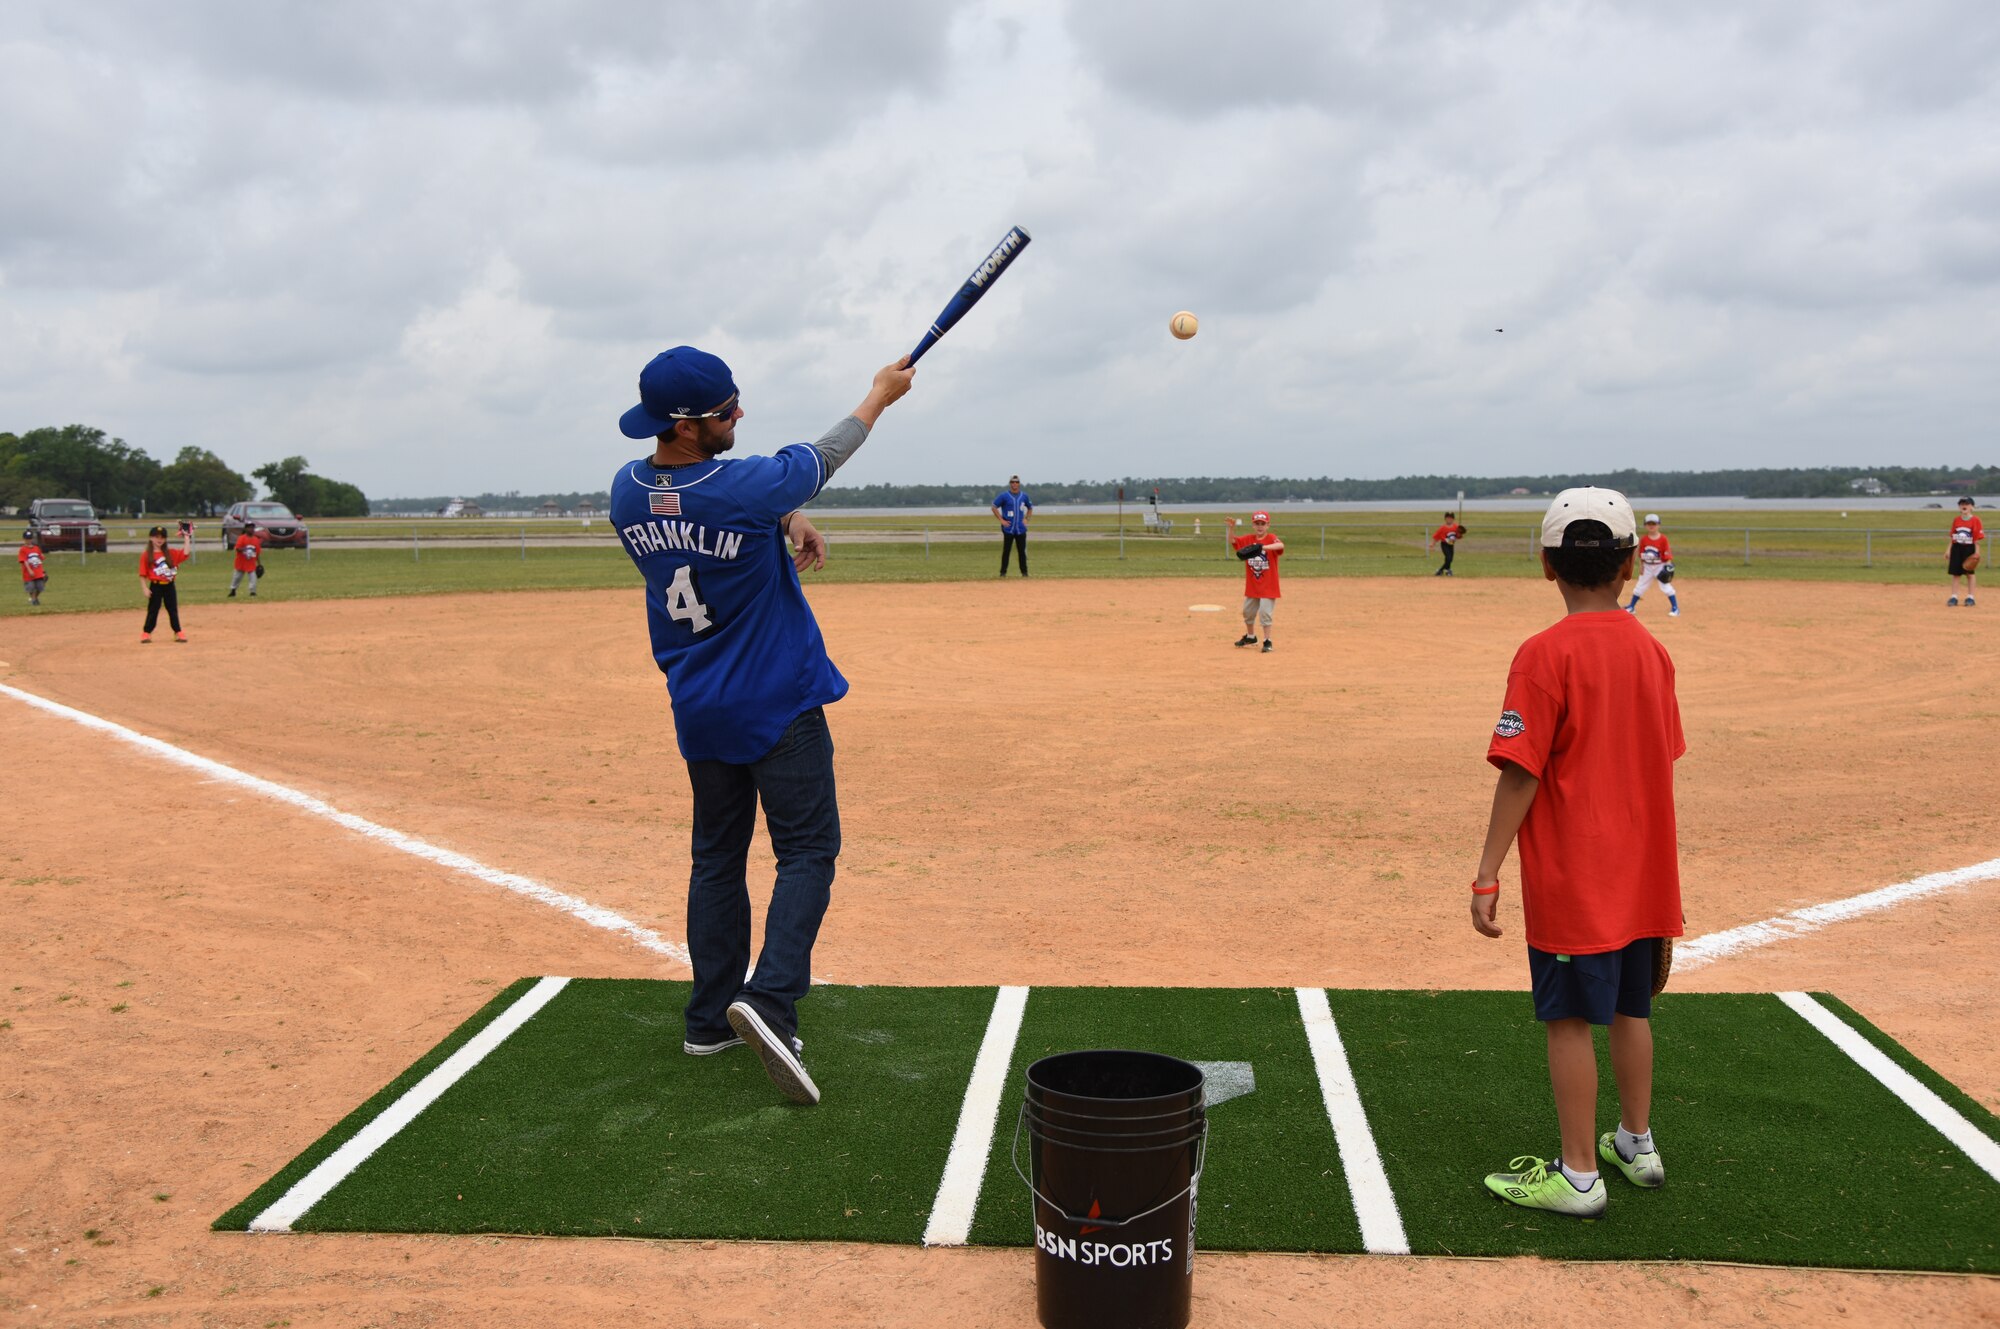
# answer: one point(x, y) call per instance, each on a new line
point(681, 384)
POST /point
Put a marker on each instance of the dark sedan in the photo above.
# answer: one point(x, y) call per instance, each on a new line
point(274, 521)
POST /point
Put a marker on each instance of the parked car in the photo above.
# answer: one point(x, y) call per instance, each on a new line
point(65, 523)
point(275, 522)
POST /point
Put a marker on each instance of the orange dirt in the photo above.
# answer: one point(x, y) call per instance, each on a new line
point(1046, 782)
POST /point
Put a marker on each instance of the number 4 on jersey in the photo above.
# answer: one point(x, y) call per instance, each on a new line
point(682, 604)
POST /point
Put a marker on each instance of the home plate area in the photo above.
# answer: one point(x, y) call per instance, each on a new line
point(1793, 1131)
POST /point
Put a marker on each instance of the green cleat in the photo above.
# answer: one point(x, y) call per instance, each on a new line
point(1646, 1170)
point(1542, 1187)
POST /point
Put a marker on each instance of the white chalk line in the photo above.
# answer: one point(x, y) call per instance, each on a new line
point(1374, 1202)
point(1918, 1096)
point(310, 1189)
point(582, 910)
point(965, 1167)
point(1706, 950)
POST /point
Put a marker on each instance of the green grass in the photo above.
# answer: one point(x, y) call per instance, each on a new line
point(1791, 546)
point(590, 1121)
point(110, 582)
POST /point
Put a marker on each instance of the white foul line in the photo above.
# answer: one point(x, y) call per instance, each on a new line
point(1948, 1120)
point(1374, 1202)
point(1721, 945)
point(310, 1189)
point(582, 910)
point(965, 1166)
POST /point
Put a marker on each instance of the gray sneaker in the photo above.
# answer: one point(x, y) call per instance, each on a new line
point(1646, 1170)
point(781, 1062)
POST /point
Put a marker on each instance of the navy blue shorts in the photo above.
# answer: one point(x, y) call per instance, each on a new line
point(1593, 987)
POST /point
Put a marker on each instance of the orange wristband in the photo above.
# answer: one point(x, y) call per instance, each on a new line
point(1477, 889)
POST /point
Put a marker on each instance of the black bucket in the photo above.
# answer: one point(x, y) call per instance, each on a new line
point(1116, 1142)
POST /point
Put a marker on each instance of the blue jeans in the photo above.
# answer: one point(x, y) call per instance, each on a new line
point(794, 780)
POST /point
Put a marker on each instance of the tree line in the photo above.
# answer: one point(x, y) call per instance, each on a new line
point(1793, 482)
point(78, 461)
point(1769, 482)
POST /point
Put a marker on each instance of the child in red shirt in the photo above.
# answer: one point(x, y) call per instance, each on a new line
point(1656, 564)
point(249, 560)
point(158, 566)
point(1586, 747)
point(1446, 537)
point(1966, 533)
point(34, 570)
point(1260, 551)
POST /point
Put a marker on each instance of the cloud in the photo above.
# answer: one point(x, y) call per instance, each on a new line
point(432, 241)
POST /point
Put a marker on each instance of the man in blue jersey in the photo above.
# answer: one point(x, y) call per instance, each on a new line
point(1013, 508)
point(748, 676)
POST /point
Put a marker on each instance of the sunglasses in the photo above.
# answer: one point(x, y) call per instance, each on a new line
point(722, 412)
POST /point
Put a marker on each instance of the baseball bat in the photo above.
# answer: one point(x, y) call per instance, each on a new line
point(976, 285)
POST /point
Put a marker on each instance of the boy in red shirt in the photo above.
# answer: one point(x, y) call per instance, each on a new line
point(34, 570)
point(249, 559)
point(1656, 564)
point(1586, 747)
point(1966, 533)
point(1446, 537)
point(1260, 551)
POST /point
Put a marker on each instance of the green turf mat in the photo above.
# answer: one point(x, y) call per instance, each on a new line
point(1778, 1148)
point(1966, 1106)
point(264, 1196)
point(590, 1120)
point(1273, 1179)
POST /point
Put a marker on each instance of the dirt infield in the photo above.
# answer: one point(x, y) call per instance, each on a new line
point(1069, 782)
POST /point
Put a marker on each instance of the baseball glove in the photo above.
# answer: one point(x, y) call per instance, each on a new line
point(1971, 561)
point(1663, 964)
point(1667, 573)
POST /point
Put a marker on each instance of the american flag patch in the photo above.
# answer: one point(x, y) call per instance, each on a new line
point(666, 505)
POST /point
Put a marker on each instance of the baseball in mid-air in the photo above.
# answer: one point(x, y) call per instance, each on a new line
point(1183, 325)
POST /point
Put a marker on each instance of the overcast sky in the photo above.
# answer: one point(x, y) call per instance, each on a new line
point(430, 245)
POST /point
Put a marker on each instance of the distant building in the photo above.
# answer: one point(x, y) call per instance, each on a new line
point(1518, 489)
point(461, 507)
point(1867, 484)
point(586, 508)
point(549, 510)
point(1959, 486)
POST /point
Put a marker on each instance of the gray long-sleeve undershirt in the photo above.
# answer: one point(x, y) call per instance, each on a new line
point(840, 442)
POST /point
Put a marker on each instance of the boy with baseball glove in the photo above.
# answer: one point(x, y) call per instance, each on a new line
point(1586, 746)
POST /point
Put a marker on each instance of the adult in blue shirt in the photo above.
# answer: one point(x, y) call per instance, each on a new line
point(1012, 507)
point(748, 677)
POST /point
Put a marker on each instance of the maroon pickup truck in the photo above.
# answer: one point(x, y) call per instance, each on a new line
point(65, 523)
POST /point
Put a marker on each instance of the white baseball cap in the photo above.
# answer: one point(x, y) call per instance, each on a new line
point(1589, 503)
point(1652, 518)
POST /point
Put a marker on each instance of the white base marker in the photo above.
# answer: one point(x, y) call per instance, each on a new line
point(965, 1166)
point(582, 910)
point(1374, 1203)
point(1703, 951)
point(310, 1189)
point(1948, 1120)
